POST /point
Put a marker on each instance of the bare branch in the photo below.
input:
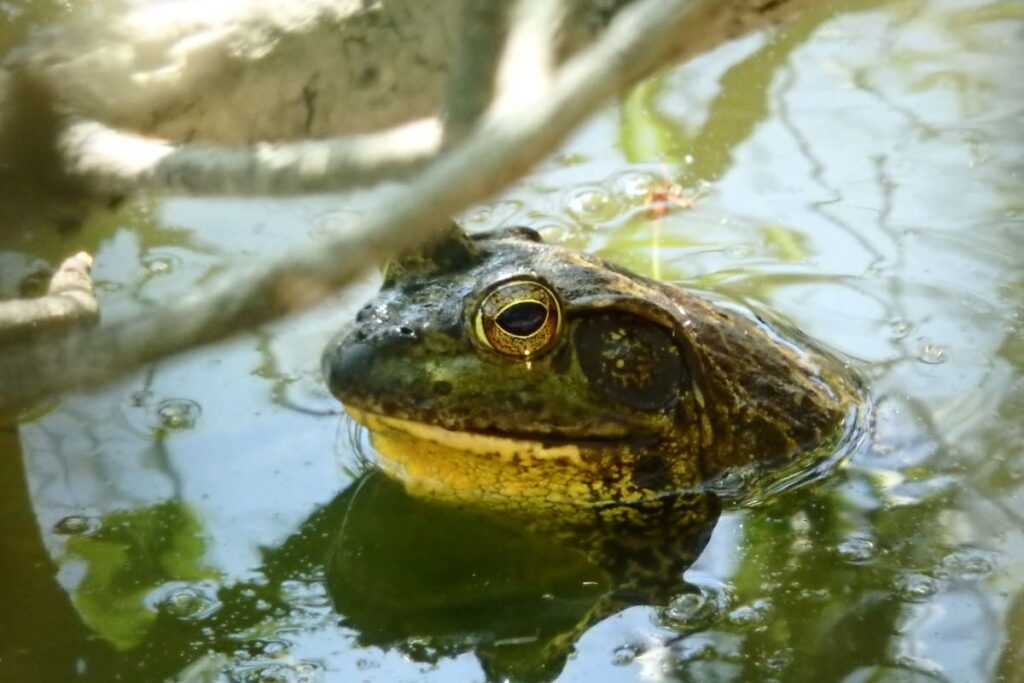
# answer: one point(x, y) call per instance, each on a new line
point(69, 301)
point(122, 163)
point(232, 73)
point(504, 148)
point(220, 79)
point(528, 63)
point(482, 31)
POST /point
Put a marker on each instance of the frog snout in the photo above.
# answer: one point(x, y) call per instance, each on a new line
point(349, 360)
point(343, 363)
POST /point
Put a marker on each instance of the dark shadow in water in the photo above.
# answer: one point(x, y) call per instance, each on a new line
point(31, 648)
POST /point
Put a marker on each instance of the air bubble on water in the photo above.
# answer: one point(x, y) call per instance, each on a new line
point(591, 205)
point(302, 594)
point(178, 413)
point(634, 186)
point(158, 265)
point(686, 609)
point(899, 328)
point(274, 648)
point(916, 587)
point(932, 354)
point(739, 251)
point(481, 215)
point(857, 550)
point(332, 223)
point(76, 525)
point(186, 601)
point(279, 672)
point(553, 230)
point(753, 616)
point(815, 594)
point(625, 654)
point(140, 398)
point(966, 563)
point(694, 610)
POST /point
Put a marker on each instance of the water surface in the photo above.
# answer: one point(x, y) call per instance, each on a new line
point(858, 172)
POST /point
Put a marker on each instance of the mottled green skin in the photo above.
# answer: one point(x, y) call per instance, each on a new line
point(662, 390)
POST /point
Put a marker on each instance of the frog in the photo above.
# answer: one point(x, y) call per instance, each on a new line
point(498, 370)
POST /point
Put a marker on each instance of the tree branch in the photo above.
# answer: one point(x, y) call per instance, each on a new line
point(482, 31)
point(170, 97)
point(531, 53)
point(122, 163)
point(69, 301)
point(502, 149)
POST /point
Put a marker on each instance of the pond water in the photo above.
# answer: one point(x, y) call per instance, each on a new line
point(214, 518)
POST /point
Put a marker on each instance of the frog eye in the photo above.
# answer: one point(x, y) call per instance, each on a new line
point(519, 319)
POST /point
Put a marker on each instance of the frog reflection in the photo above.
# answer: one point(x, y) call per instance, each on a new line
point(437, 580)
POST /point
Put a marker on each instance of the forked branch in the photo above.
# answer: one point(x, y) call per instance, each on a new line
point(504, 147)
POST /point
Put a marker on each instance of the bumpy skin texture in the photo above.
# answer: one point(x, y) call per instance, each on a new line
point(647, 391)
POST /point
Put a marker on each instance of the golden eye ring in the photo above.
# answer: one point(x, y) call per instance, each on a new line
point(518, 319)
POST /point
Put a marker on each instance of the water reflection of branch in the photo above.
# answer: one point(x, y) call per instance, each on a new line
point(158, 443)
point(860, 78)
point(897, 259)
point(270, 369)
point(817, 172)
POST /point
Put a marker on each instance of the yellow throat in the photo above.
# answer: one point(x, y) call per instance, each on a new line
point(496, 471)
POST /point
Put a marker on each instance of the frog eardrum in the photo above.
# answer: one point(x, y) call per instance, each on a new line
point(519, 319)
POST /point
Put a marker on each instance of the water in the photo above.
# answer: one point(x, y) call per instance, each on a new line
point(858, 172)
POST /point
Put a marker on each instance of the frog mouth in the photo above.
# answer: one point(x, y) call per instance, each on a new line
point(373, 420)
point(499, 470)
point(483, 443)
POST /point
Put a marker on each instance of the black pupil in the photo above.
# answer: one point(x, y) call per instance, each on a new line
point(523, 319)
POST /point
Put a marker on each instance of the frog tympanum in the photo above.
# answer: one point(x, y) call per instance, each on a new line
point(498, 370)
